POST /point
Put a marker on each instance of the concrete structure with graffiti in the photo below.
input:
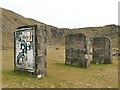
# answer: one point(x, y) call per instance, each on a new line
point(30, 49)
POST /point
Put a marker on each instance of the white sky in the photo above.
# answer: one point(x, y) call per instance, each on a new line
point(67, 13)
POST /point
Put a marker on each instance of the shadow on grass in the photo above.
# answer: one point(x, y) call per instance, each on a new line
point(77, 67)
point(68, 66)
point(15, 73)
point(99, 65)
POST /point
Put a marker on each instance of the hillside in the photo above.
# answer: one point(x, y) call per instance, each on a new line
point(11, 20)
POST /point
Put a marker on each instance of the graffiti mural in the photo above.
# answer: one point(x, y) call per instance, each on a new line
point(25, 49)
point(30, 50)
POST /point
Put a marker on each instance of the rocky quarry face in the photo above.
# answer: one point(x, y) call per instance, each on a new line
point(11, 20)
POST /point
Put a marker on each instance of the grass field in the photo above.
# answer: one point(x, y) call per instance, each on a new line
point(60, 75)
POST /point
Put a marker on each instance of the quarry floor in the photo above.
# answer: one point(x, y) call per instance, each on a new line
point(60, 75)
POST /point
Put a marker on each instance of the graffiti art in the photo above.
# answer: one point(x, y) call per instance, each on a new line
point(25, 49)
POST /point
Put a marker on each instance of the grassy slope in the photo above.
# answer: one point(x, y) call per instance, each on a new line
point(10, 21)
point(60, 75)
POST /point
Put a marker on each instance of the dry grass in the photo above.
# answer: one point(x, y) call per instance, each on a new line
point(60, 75)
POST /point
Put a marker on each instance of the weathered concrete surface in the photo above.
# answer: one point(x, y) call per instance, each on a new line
point(101, 50)
point(77, 53)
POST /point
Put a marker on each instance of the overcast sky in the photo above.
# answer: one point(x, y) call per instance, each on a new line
point(67, 13)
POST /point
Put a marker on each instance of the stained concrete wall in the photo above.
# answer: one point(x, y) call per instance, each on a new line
point(41, 50)
point(101, 50)
point(76, 48)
